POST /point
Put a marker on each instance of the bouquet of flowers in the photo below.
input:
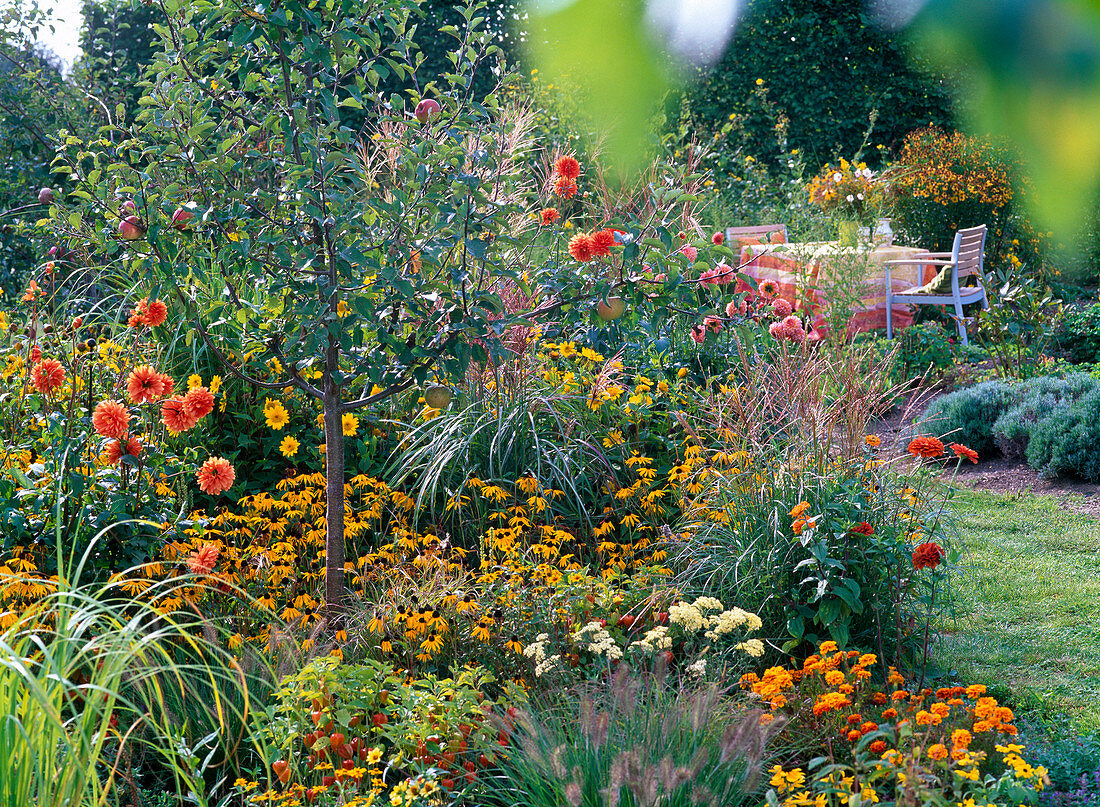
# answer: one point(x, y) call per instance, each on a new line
point(848, 188)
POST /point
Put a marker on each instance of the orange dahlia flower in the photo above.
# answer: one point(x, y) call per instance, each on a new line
point(111, 419)
point(567, 167)
point(152, 313)
point(144, 384)
point(47, 376)
point(215, 476)
point(581, 247)
point(548, 216)
point(115, 449)
point(174, 415)
point(199, 402)
point(565, 188)
point(203, 559)
point(962, 452)
point(928, 555)
point(927, 447)
point(602, 242)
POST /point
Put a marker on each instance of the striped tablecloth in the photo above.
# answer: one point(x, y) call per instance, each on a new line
point(807, 274)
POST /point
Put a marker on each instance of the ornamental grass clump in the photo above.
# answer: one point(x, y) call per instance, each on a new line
point(635, 741)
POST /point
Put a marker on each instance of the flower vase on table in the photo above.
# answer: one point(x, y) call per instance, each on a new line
point(848, 232)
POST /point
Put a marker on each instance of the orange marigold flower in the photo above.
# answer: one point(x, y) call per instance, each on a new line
point(215, 476)
point(962, 452)
point(937, 751)
point(889, 714)
point(878, 698)
point(602, 242)
point(854, 735)
point(567, 167)
point(111, 419)
point(877, 747)
point(960, 738)
point(829, 646)
point(203, 559)
point(565, 188)
point(868, 726)
point(927, 447)
point(144, 384)
point(928, 555)
point(548, 216)
point(830, 701)
point(581, 247)
point(47, 376)
point(174, 415)
point(975, 691)
point(199, 402)
point(982, 726)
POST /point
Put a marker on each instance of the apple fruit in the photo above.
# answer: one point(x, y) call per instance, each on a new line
point(437, 396)
point(181, 217)
point(130, 228)
point(612, 309)
point(426, 109)
point(45, 196)
point(130, 206)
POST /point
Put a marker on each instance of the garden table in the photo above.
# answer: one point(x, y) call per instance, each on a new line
point(808, 271)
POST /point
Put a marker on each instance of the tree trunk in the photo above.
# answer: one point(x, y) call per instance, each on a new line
point(334, 493)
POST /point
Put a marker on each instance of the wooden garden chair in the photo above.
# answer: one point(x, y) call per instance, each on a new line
point(965, 260)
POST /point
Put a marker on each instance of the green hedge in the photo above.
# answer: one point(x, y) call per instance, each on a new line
point(827, 65)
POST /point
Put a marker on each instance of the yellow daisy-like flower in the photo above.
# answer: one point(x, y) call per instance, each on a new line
point(289, 446)
point(350, 424)
point(275, 414)
point(194, 381)
point(342, 309)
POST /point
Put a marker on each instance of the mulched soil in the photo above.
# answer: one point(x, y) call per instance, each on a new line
point(994, 474)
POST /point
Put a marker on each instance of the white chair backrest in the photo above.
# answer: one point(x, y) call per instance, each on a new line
point(968, 252)
point(761, 231)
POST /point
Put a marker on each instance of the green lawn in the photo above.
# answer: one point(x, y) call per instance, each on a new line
point(1028, 603)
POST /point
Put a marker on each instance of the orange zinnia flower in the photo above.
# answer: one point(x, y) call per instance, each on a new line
point(215, 476)
point(928, 555)
point(962, 452)
point(203, 559)
point(47, 376)
point(144, 384)
point(927, 447)
point(602, 242)
point(548, 216)
point(565, 188)
point(567, 167)
point(174, 415)
point(199, 402)
point(581, 247)
point(111, 419)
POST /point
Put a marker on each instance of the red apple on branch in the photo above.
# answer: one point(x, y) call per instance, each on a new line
point(181, 217)
point(612, 309)
point(131, 228)
point(45, 196)
point(426, 109)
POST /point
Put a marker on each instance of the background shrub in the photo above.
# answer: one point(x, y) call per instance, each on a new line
point(1079, 334)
